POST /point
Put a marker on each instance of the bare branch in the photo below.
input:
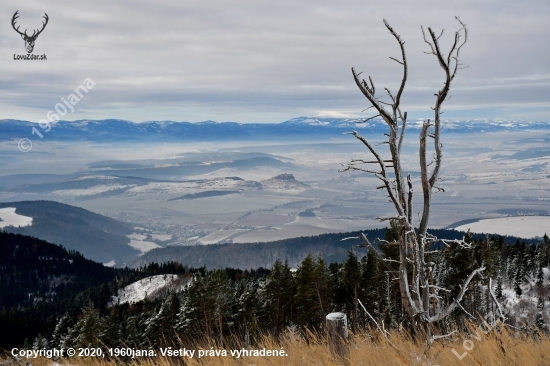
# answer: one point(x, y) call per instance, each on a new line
point(403, 127)
point(371, 247)
point(403, 62)
point(392, 260)
point(350, 237)
point(436, 337)
point(384, 333)
point(389, 218)
point(368, 119)
point(456, 302)
point(396, 60)
point(460, 243)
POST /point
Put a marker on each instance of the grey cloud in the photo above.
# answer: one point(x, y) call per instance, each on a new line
point(267, 61)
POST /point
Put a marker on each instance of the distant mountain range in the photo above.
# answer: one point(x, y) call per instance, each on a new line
point(301, 127)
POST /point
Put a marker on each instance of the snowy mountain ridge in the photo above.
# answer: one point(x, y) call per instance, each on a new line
point(300, 127)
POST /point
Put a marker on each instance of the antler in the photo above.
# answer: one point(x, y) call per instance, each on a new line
point(43, 26)
point(35, 34)
point(15, 16)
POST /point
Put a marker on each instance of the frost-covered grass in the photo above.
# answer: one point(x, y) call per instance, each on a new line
point(501, 346)
point(520, 226)
point(9, 217)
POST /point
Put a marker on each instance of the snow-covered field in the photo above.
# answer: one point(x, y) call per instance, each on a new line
point(137, 236)
point(91, 191)
point(185, 187)
point(521, 226)
point(143, 245)
point(137, 242)
point(305, 226)
point(9, 217)
point(220, 235)
point(161, 237)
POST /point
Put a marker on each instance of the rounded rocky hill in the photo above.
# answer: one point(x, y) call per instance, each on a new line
point(284, 182)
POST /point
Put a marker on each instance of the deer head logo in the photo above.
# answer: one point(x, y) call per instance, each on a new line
point(29, 40)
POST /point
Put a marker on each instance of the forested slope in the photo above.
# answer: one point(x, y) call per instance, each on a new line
point(254, 255)
point(40, 281)
point(97, 237)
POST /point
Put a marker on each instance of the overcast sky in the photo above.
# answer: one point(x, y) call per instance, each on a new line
point(269, 61)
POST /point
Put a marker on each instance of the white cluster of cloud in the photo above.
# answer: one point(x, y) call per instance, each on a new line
point(268, 61)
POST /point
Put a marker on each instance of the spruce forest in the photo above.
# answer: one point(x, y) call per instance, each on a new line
point(236, 307)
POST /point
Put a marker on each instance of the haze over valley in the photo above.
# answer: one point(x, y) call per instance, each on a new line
point(275, 186)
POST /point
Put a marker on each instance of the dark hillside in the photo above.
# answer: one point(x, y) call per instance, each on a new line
point(255, 255)
point(39, 279)
point(95, 236)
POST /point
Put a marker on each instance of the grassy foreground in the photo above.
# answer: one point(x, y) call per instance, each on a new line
point(497, 347)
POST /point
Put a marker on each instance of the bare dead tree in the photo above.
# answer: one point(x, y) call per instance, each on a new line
point(420, 296)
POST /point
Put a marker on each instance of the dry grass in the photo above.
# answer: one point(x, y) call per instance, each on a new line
point(498, 347)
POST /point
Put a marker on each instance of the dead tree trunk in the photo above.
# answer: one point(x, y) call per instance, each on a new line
point(337, 332)
point(420, 297)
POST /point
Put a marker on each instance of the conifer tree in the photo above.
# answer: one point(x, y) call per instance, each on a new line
point(371, 275)
point(61, 330)
point(312, 292)
point(540, 277)
point(546, 251)
point(134, 331)
point(518, 280)
point(539, 318)
point(40, 343)
point(323, 287)
point(277, 298)
point(155, 325)
point(88, 329)
point(498, 292)
point(460, 263)
point(110, 335)
point(351, 281)
point(221, 289)
point(389, 317)
point(247, 305)
point(338, 288)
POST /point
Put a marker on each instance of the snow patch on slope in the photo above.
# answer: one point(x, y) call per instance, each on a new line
point(141, 289)
point(9, 217)
point(143, 245)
